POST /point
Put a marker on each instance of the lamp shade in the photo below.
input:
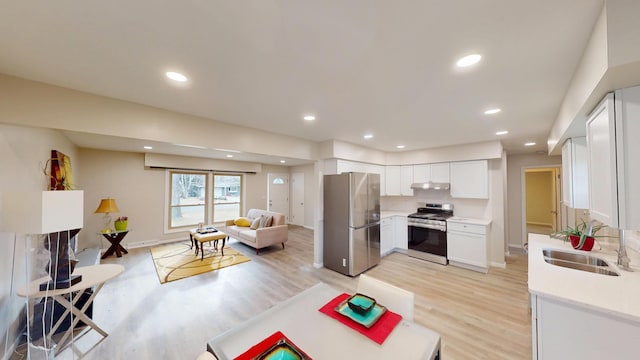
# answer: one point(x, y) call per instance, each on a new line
point(107, 206)
point(42, 212)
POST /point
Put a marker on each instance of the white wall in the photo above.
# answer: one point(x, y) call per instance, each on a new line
point(24, 154)
point(515, 166)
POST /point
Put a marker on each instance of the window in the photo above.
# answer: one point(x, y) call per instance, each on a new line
point(190, 203)
point(188, 194)
point(226, 197)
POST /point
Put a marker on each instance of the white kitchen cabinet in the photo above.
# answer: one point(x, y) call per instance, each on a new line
point(614, 169)
point(387, 235)
point(440, 173)
point(469, 179)
point(437, 173)
point(575, 175)
point(467, 245)
point(566, 331)
point(406, 179)
point(401, 238)
point(422, 173)
point(393, 184)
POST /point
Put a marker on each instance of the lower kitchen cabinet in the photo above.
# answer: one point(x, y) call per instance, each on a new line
point(386, 236)
point(401, 233)
point(393, 234)
point(467, 245)
point(566, 331)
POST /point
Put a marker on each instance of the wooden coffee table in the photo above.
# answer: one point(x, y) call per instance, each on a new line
point(198, 238)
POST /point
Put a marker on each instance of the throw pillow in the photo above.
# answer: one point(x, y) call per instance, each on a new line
point(265, 221)
point(242, 221)
point(255, 223)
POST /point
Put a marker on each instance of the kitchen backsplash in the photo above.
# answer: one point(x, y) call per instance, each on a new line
point(472, 208)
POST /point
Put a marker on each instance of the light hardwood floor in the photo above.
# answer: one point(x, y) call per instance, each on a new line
point(480, 316)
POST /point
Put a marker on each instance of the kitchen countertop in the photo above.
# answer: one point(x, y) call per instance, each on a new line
point(390, 213)
point(469, 220)
point(617, 295)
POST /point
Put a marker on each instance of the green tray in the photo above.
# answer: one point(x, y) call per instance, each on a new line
point(367, 320)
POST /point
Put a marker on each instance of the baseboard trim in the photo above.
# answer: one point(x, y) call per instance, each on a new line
point(318, 265)
point(148, 243)
point(502, 265)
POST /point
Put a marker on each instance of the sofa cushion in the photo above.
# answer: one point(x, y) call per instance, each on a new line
point(265, 221)
point(248, 235)
point(255, 223)
point(242, 221)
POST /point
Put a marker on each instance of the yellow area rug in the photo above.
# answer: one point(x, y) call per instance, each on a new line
point(177, 261)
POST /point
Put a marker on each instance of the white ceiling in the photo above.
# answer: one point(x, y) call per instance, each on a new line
point(361, 66)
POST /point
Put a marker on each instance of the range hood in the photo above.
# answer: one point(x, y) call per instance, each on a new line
point(430, 186)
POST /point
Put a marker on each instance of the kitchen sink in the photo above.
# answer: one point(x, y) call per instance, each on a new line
point(581, 262)
point(574, 257)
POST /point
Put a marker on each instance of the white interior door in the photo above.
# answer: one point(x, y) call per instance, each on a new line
point(297, 199)
point(278, 194)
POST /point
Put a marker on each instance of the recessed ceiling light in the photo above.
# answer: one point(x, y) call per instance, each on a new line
point(148, 147)
point(529, 144)
point(400, 146)
point(492, 111)
point(229, 155)
point(468, 60)
point(309, 117)
point(504, 132)
point(176, 76)
point(540, 152)
point(282, 161)
point(368, 136)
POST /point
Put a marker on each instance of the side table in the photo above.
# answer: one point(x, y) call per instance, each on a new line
point(115, 238)
point(92, 276)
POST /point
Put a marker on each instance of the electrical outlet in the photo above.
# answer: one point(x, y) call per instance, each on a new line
point(344, 262)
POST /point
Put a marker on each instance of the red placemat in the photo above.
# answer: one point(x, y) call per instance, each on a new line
point(378, 332)
point(265, 344)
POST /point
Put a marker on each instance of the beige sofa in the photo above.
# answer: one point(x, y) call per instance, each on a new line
point(277, 233)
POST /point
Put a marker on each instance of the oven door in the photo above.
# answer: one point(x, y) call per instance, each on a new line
point(428, 243)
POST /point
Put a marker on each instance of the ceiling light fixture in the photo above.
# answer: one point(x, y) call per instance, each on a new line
point(309, 117)
point(400, 146)
point(492, 111)
point(468, 60)
point(282, 161)
point(229, 155)
point(191, 146)
point(175, 76)
point(529, 144)
point(148, 147)
point(504, 132)
point(368, 136)
point(228, 150)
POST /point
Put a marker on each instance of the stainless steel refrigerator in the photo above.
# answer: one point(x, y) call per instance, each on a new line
point(351, 228)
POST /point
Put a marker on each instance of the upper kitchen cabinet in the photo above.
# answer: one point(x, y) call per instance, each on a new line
point(422, 173)
point(437, 173)
point(393, 176)
point(470, 179)
point(614, 176)
point(406, 179)
point(440, 173)
point(575, 174)
point(398, 180)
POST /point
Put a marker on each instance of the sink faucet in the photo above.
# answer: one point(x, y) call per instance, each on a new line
point(623, 259)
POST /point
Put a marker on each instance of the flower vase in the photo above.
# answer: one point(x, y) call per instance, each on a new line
point(586, 246)
point(121, 225)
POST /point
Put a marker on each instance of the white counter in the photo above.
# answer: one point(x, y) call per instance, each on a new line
point(390, 213)
point(618, 295)
point(464, 220)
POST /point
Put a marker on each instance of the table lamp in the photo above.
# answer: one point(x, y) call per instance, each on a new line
point(106, 207)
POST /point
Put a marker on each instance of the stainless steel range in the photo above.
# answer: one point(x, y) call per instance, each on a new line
point(428, 232)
